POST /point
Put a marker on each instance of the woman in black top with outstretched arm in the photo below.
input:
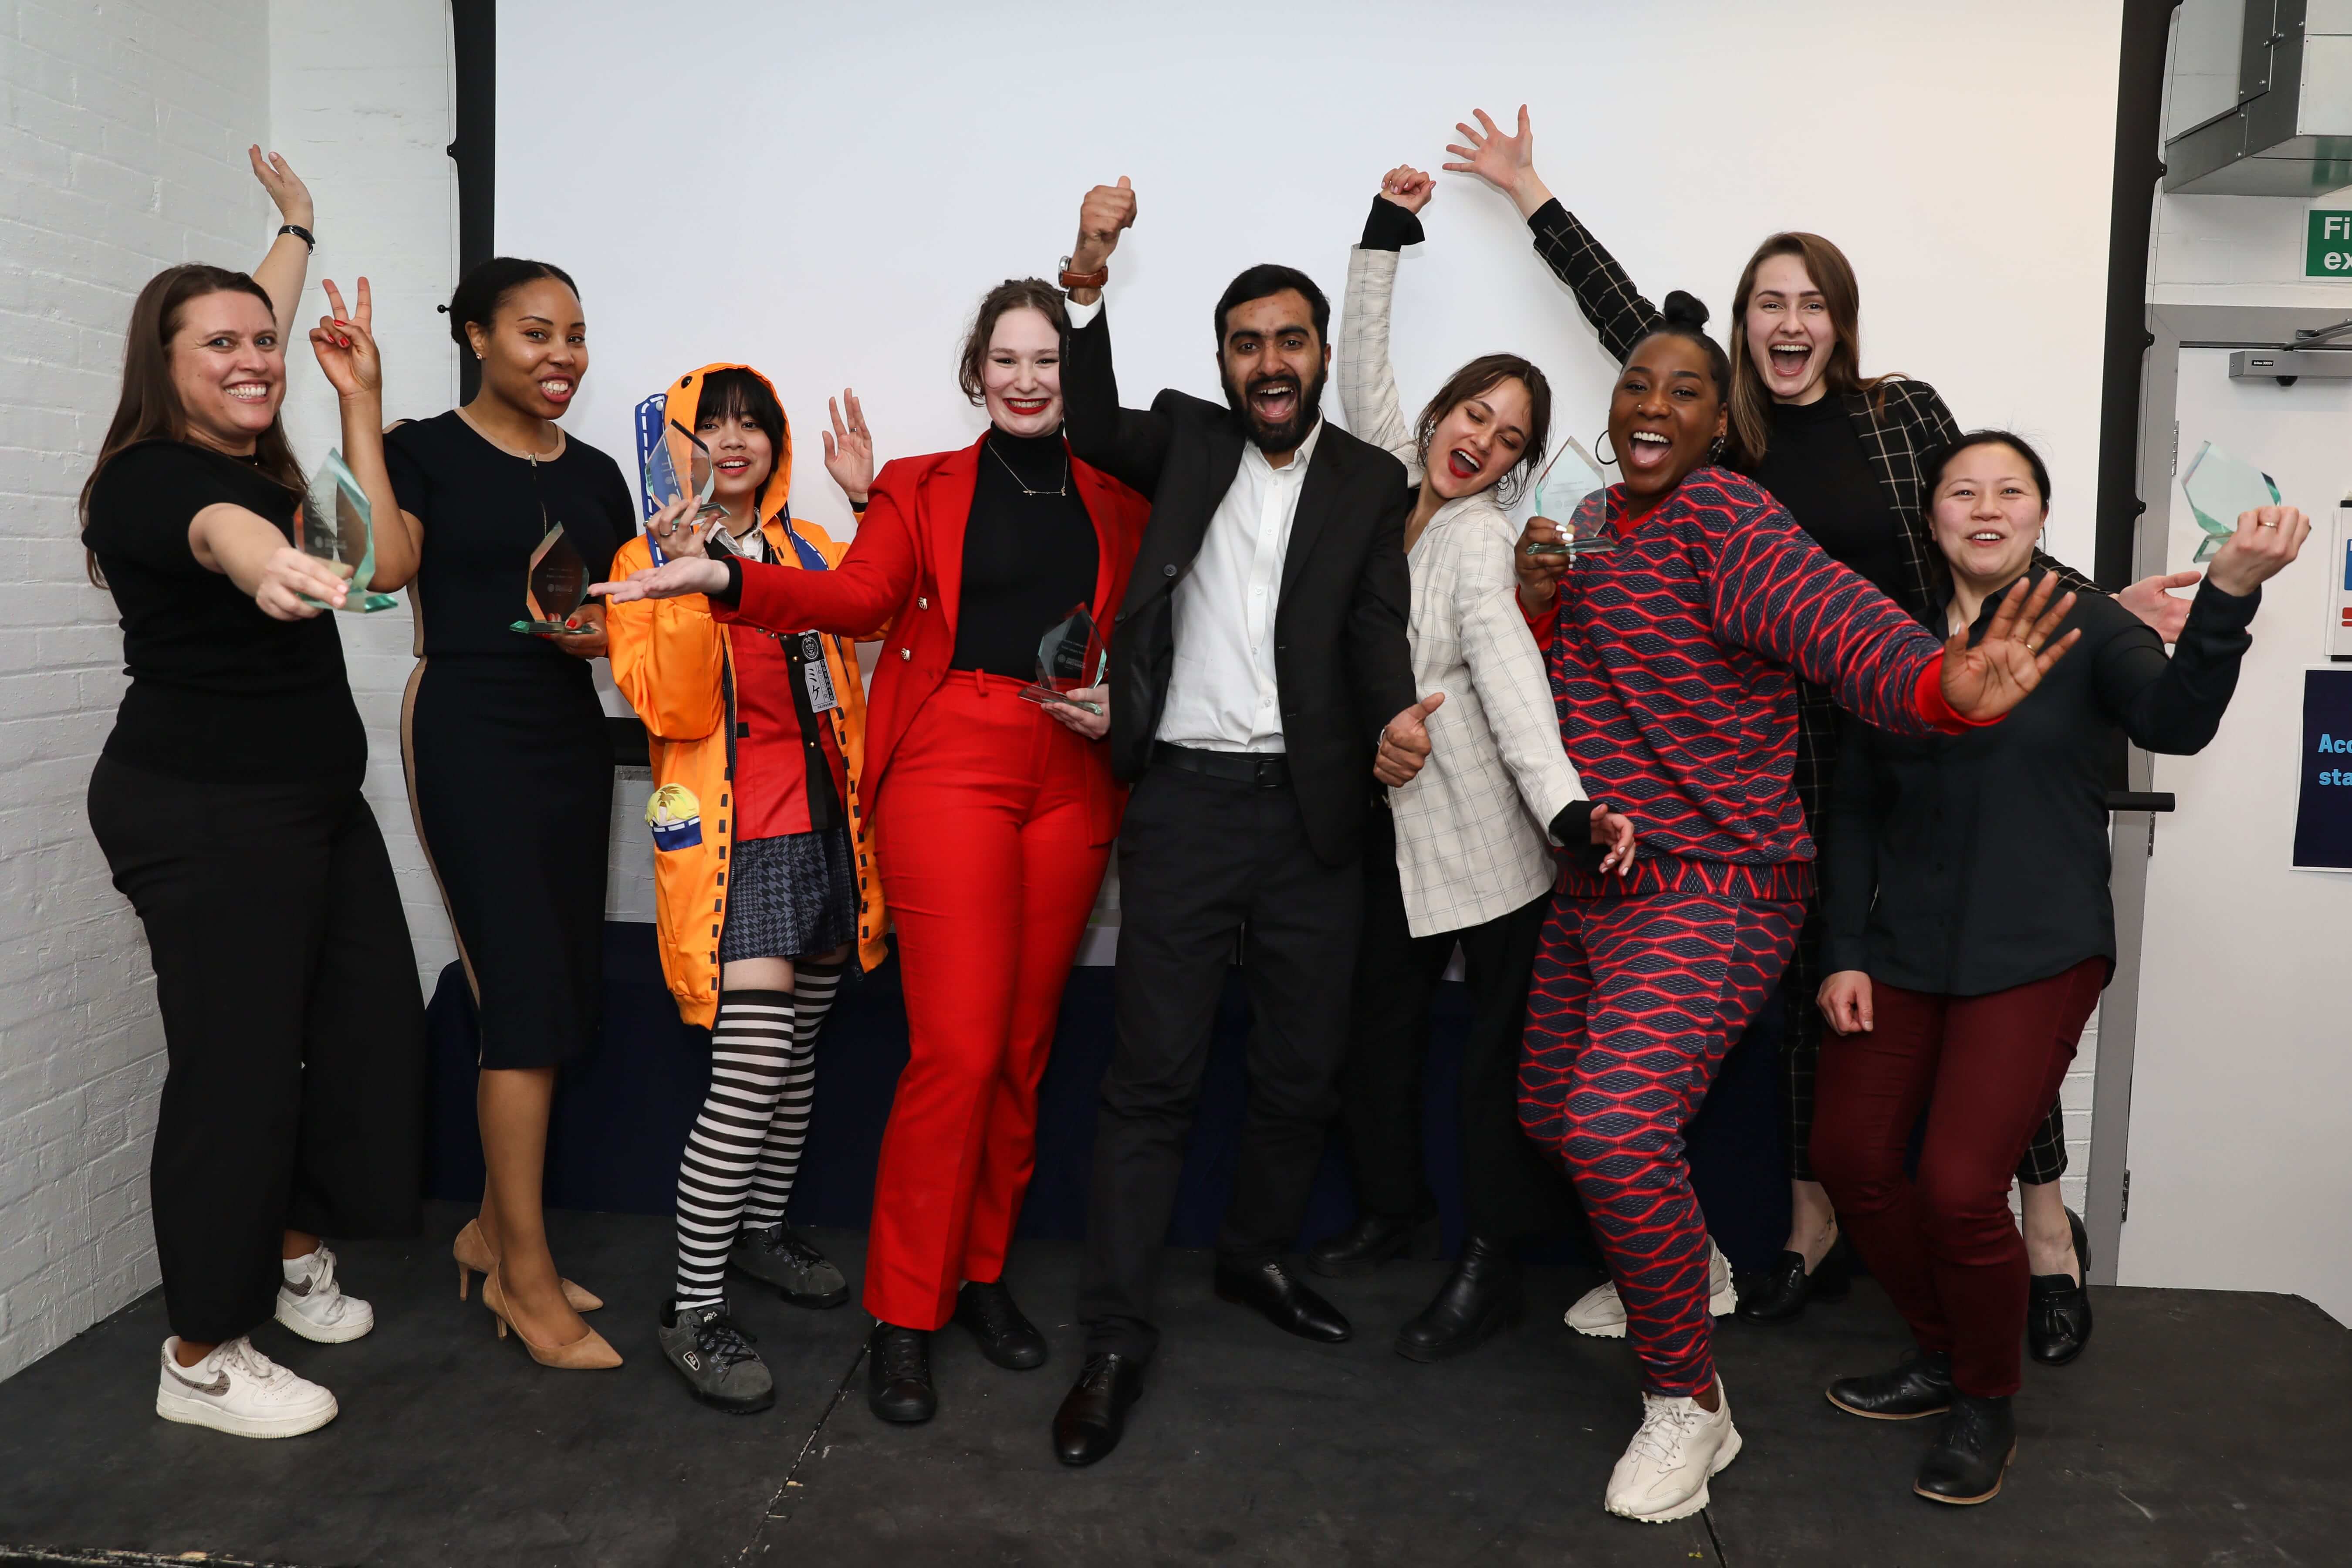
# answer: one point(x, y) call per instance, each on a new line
point(1841, 451)
point(1970, 932)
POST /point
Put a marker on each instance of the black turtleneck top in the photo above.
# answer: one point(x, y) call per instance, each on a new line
point(1029, 555)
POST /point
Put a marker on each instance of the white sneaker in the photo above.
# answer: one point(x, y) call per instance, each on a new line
point(1663, 1475)
point(1600, 1313)
point(238, 1390)
point(311, 1302)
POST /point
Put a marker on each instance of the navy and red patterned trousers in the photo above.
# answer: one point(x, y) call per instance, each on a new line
point(1636, 999)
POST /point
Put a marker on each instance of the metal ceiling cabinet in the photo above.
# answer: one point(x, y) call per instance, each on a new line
point(2290, 131)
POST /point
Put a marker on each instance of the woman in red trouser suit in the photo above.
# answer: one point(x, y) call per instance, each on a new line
point(994, 815)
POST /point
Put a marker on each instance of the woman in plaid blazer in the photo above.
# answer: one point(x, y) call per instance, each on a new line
point(1464, 853)
point(1841, 451)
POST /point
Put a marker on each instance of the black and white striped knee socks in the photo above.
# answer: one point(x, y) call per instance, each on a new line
point(752, 1054)
point(813, 987)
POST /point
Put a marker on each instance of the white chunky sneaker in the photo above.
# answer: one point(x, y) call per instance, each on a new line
point(1600, 1313)
point(311, 1302)
point(240, 1391)
point(1663, 1475)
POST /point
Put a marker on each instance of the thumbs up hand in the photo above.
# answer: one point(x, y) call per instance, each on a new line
point(1404, 742)
point(1106, 211)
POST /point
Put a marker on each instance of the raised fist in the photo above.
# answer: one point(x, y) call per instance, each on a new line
point(1106, 210)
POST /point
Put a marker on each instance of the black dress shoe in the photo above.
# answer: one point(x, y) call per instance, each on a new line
point(1971, 1454)
point(1782, 1293)
point(1372, 1241)
point(1920, 1385)
point(1479, 1298)
point(1094, 1413)
point(1286, 1304)
point(1006, 1336)
point(899, 1374)
point(2058, 1310)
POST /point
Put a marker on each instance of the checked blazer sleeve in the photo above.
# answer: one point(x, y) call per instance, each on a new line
point(1368, 388)
point(1617, 310)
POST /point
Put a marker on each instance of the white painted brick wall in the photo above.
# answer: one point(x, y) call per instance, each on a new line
point(124, 133)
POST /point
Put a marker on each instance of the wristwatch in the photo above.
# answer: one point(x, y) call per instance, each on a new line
point(1095, 280)
point(299, 232)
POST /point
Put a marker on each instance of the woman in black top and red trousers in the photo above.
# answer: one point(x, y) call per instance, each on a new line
point(227, 802)
point(1841, 452)
point(510, 768)
point(1970, 932)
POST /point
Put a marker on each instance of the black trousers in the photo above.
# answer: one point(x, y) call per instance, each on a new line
point(293, 1028)
point(1202, 861)
point(1509, 1190)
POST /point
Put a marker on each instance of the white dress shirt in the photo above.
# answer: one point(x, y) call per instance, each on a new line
point(1222, 694)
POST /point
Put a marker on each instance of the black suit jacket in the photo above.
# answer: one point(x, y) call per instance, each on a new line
point(1340, 656)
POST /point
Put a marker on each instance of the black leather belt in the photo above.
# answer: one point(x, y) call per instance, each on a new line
point(1263, 770)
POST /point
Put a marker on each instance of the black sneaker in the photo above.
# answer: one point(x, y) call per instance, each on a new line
point(898, 1375)
point(716, 1357)
point(1006, 1335)
point(780, 1255)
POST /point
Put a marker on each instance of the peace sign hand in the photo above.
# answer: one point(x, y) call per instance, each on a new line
point(346, 348)
point(1984, 682)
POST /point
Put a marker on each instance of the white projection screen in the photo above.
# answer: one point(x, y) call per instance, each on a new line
point(825, 191)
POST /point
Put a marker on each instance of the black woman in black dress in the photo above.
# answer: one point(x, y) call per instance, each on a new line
point(509, 769)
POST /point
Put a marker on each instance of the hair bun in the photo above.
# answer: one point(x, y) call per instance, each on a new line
point(1685, 310)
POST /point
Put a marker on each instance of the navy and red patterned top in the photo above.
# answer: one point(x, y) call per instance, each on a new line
point(1670, 660)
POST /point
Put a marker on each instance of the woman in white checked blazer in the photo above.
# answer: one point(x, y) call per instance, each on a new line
point(1463, 855)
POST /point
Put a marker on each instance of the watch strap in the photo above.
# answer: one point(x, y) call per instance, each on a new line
point(1095, 280)
point(304, 235)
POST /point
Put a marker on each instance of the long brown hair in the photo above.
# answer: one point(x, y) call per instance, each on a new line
point(1477, 379)
point(1832, 274)
point(1012, 294)
point(150, 407)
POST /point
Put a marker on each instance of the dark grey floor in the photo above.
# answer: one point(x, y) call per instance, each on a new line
point(2199, 1428)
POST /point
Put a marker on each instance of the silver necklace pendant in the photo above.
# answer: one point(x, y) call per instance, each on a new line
point(1017, 479)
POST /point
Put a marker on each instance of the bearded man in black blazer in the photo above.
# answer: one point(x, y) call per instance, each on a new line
point(1260, 683)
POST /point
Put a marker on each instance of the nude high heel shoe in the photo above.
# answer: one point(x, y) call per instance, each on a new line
point(473, 1256)
point(587, 1353)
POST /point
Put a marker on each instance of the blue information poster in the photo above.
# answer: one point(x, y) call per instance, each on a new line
point(2322, 812)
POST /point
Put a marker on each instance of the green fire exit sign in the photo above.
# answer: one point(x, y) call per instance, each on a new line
point(2327, 252)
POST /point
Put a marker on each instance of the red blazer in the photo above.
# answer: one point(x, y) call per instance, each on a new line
point(904, 572)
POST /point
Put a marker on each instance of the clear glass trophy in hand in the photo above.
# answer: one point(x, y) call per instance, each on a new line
point(334, 525)
point(554, 588)
point(1071, 656)
point(665, 485)
point(1568, 497)
point(2220, 486)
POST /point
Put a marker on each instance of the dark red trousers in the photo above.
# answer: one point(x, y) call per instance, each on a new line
point(981, 829)
point(1945, 1245)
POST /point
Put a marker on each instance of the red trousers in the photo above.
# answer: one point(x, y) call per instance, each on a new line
point(1944, 1245)
point(982, 833)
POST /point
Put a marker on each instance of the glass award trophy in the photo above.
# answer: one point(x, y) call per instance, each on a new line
point(1566, 496)
point(2220, 486)
point(1070, 657)
point(334, 525)
point(554, 588)
point(663, 484)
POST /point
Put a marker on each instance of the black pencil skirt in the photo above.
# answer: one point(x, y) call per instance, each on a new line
point(510, 773)
point(293, 1028)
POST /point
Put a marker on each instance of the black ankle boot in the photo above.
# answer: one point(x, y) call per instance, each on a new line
point(1920, 1385)
point(1479, 1298)
point(1782, 1293)
point(1372, 1241)
point(2058, 1310)
point(898, 1375)
point(1971, 1454)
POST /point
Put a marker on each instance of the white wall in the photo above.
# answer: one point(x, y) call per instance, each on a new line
point(361, 104)
point(125, 135)
point(848, 235)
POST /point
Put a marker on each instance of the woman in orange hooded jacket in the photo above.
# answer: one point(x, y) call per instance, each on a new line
point(997, 814)
point(763, 864)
